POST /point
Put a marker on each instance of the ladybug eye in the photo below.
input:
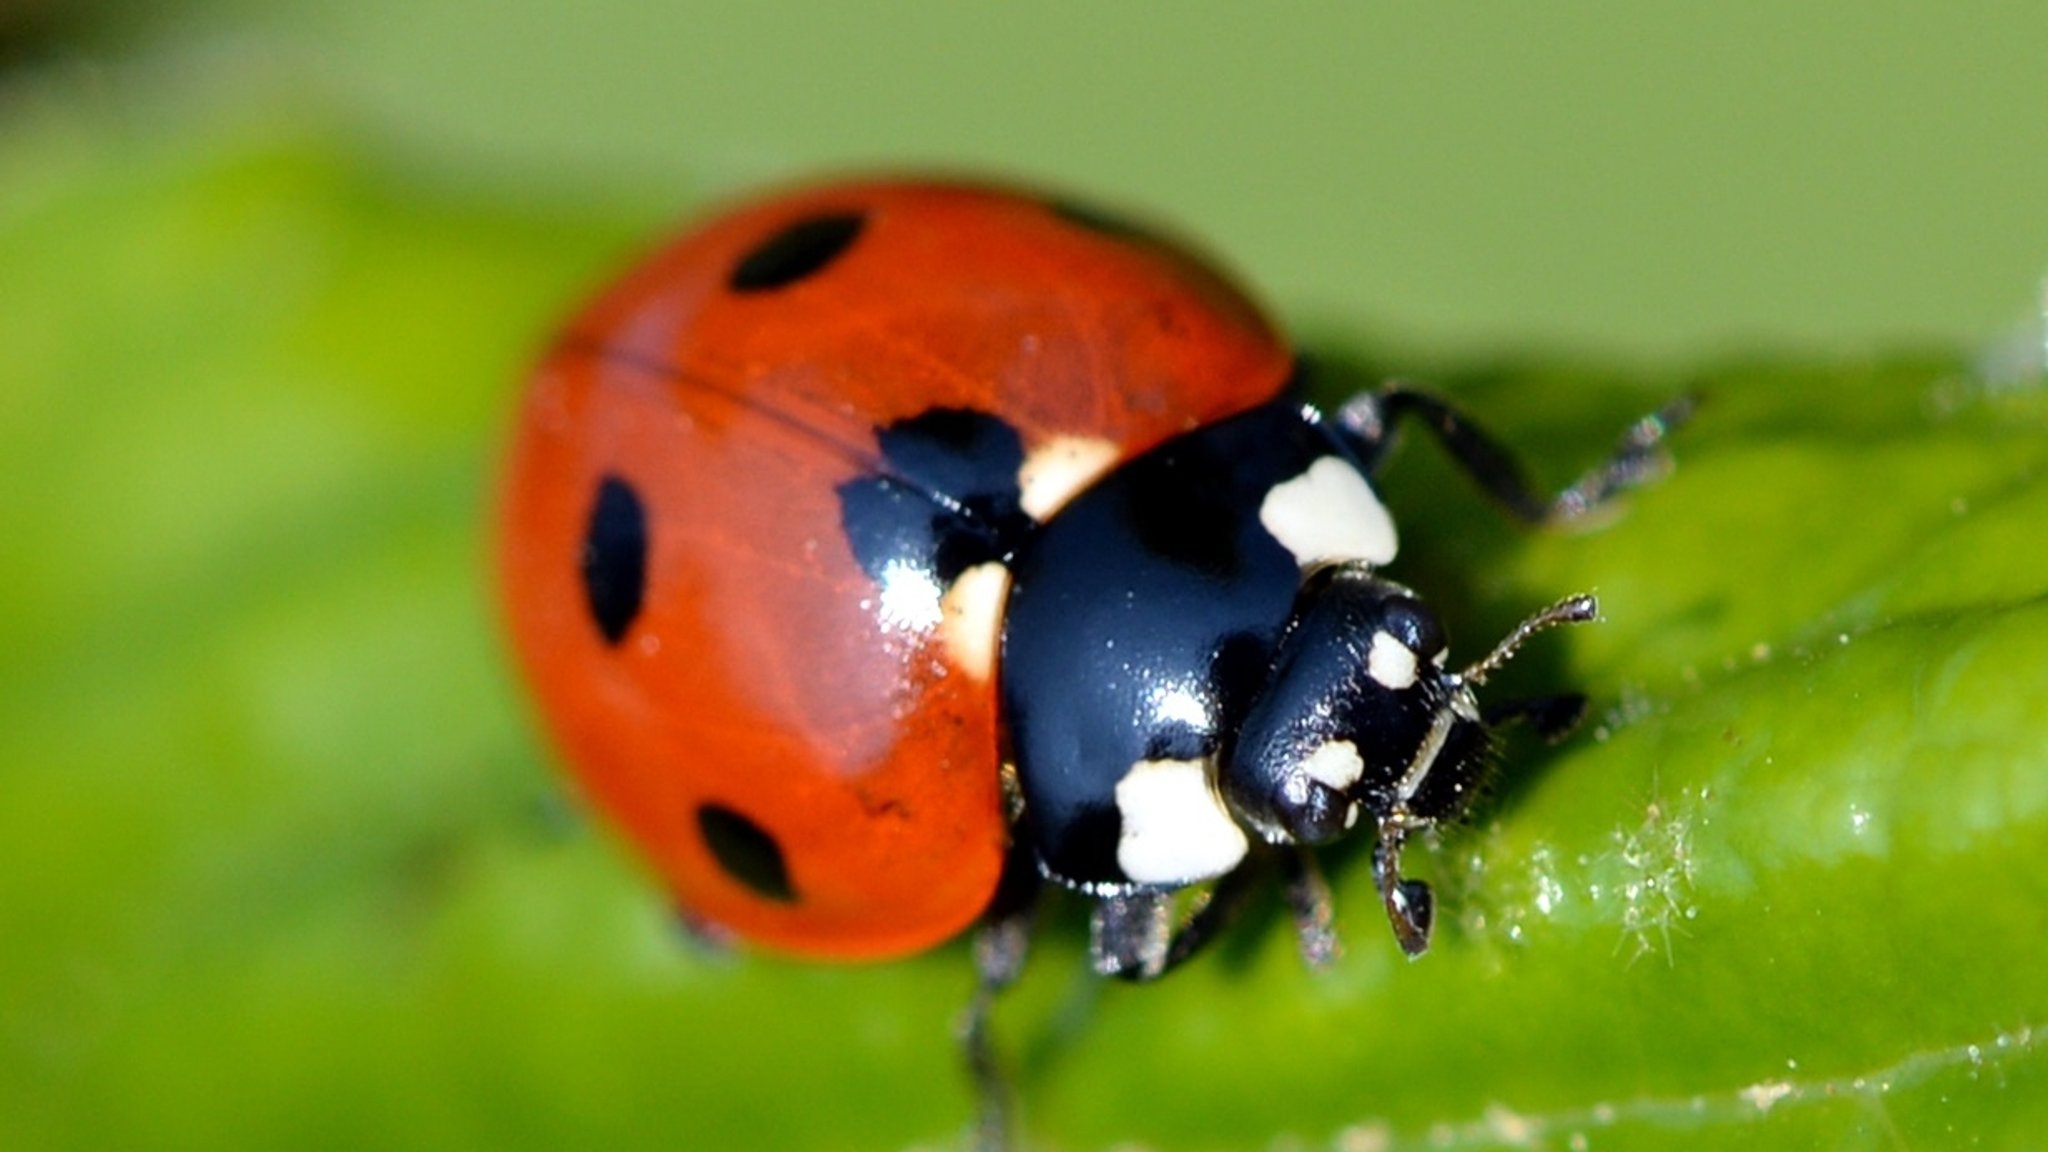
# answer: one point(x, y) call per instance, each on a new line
point(798, 250)
point(1414, 625)
point(615, 558)
point(746, 852)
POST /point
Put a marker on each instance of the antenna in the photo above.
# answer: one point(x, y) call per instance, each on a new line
point(1570, 610)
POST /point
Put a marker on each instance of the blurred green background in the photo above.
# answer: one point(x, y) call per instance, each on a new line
point(282, 863)
point(1700, 177)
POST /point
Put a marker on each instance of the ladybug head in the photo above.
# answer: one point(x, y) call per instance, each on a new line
point(1362, 715)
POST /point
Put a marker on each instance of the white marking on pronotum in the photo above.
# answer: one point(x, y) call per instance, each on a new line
point(1336, 764)
point(1175, 830)
point(970, 619)
point(1329, 513)
point(1056, 470)
point(1390, 662)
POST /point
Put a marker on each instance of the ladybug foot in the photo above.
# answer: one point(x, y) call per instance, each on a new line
point(1308, 896)
point(1412, 909)
point(1639, 459)
point(1411, 906)
point(1129, 935)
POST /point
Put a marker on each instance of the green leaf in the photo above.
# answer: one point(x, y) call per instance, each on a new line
point(287, 866)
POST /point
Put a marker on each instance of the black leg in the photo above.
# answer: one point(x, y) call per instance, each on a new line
point(709, 939)
point(1637, 460)
point(1411, 908)
point(1133, 937)
point(1369, 419)
point(1128, 935)
point(1000, 948)
point(1553, 717)
point(1308, 896)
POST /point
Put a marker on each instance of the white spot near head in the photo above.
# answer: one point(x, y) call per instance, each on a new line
point(1175, 830)
point(1058, 469)
point(1390, 663)
point(971, 618)
point(1329, 513)
point(1335, 764)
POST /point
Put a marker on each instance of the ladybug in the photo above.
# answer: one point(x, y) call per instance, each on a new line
point(879, 550)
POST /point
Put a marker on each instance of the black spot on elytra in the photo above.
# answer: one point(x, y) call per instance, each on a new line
point(958, 451)
point(799, 250)
point(746, 852)
point(614, 560)
point(948, 501)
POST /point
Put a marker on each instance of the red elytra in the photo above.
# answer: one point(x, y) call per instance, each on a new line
point(732, 382)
